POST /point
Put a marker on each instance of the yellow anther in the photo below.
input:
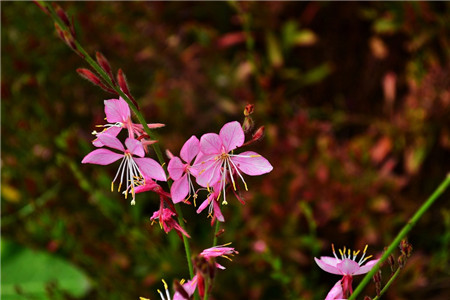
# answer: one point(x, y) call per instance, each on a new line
point(245, 186)
point(234, 185)
point(365, 248)
point(332, 247)
point(255, 155)
point(120, 185)
point(349, 252)
point(112, 186)
point(142, 298)
point(224, 256)
point(340, 252)
point(182, 281)
point(366, 259)
point(165, 284)
point(355, 253)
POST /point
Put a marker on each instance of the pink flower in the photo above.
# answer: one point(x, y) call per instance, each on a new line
point(217, 251)
point(167, 222)
point(181, 172)
point(132, 170)
point(346, 266)
point(183, 292)
point(118, 115)
point(213, 202)
point(218, 163)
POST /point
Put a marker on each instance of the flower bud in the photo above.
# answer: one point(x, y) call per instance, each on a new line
point(401, 261)
point(391, 261)
point(248, 124)
point(249, 109)
point(104, 64)
point(88, 75)
point(406, 248)
point(367, 298)
point(259, 133)
point(122, 81)
point(62, 14)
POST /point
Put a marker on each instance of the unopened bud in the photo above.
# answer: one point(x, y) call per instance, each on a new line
point(406, 248)
point(401, 261)
point(68, 38)
point(377, 276)
point(62, 14)
point(88, 75)
point(249, 109)
point(169, 154)
point(258, 134)
point(60, 32)
point(104, 64)
point(44, 9)
point(391, 261)
point(367, 298)
point(122, 81)
point(220, 232)
point(248, 124)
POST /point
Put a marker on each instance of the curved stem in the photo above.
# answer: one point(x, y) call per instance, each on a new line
point(401, 235)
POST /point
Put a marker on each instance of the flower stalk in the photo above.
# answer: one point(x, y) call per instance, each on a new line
point(401, 235)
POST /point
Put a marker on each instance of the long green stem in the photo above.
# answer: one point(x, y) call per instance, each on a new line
point(134, 109)
point(216, 230)
point(388, 284)
point(402, 234)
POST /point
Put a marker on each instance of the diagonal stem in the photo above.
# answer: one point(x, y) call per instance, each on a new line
point(401, 235)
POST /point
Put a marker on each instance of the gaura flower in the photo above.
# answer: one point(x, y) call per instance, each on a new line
point(212, 201)
point(181, 172)
point(347, 266)
point(183, 290)
point(167, 222)
point(132, 170)
point(218, 163)
point(118, 116)
point(219, 251)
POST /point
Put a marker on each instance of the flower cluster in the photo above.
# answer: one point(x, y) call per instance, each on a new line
point(215, 167)
point(347, 266)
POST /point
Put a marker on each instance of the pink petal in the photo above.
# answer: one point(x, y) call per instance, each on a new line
point(251, 163)
point(218, 212)
point(367, 267)
point(149, 167)
point(336, 292)
point(327, 268)
point(330, 260)
point(210, 174)
point(175, 168)
point(232, 135)
point(204, 205)
point(348, 266)
point(116, 110)
point(114, 131)
point(210, 143)
point(179, 189)
point(189, 287)
point(135, 147)
point(101, 157)
point(190, 149)
point(111, 141)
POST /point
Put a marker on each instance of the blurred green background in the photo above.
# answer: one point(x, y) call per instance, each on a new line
point(355, 101)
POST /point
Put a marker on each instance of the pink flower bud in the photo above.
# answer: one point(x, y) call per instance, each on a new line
point(104, 64)
point(62, 15)
point(88, 75)
point(124, 86)
point(249, 109)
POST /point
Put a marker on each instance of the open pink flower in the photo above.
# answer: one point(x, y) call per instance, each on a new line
point(118, 116)
point(347, 266)
point(132, 170)
point(219, 251)
point(212, 201)
point(218, 163)
point(181, 172)
point(182, 292)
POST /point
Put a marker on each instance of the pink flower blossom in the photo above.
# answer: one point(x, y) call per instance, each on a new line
point(219, 251)
point(347, 266)
point(181, 172)
point(336, 293)
point(132, 170)
point(118, 115)
point(186, 289)
point(167, 222)
point(218, 163)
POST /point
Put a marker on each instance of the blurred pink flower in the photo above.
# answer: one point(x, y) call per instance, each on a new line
point(346, 266)
point(118, 115)
point(186, 290)
point(217, 251)
point(181, 172)
point(132, 170)
point(336, 293)
point(218, 163)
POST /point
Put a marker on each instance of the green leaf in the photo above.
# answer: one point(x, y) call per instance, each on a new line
point(31, 271)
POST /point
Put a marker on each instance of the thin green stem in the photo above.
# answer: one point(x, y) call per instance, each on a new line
point(385, 288)
point(402, 234)
point(134, 109)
